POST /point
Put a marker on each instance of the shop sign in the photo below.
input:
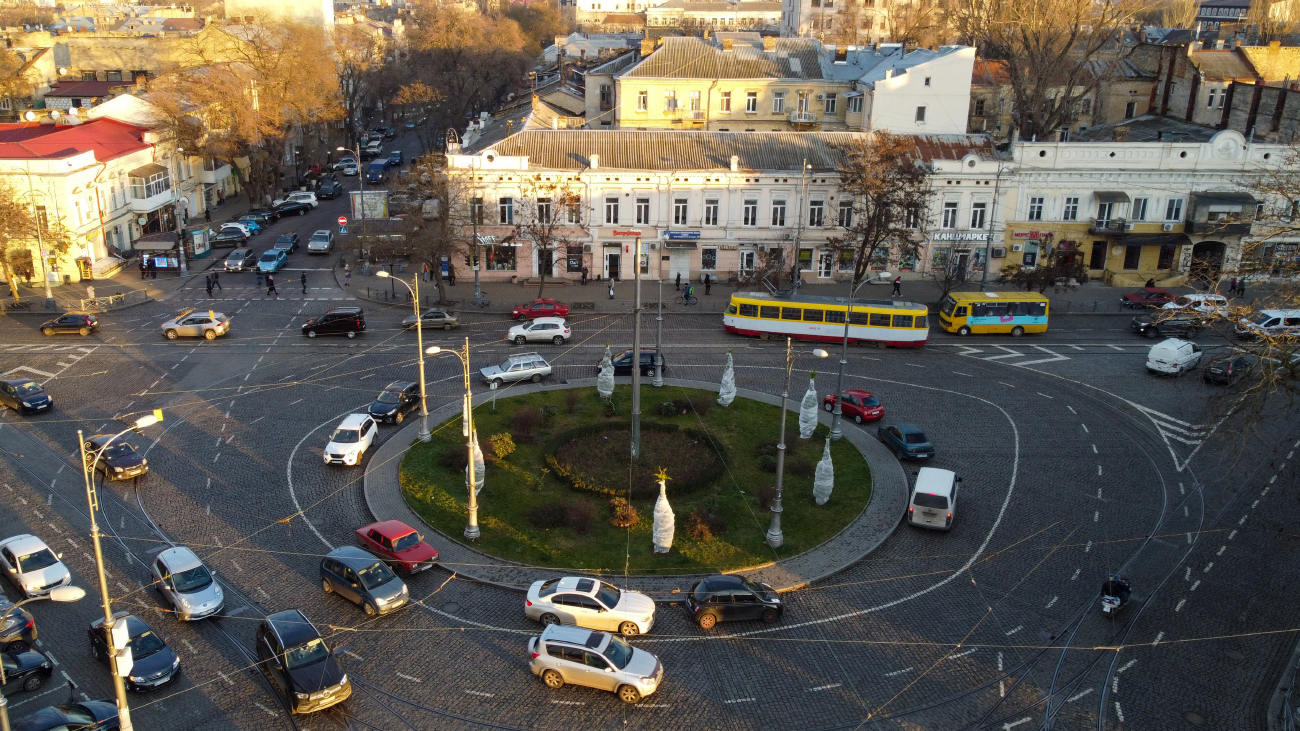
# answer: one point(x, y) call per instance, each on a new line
point(1031, 235)
point(680, 235)
point(626, 233)
point(959, 236)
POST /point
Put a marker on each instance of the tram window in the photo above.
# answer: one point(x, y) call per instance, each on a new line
point(921, 321)
point(857, 318)
point(880, 319)
point(835, 316)
point(771, 313)
point(731, 309)
point(791, 313)
point(813, 315)
point(749, 310)
point(902, 321)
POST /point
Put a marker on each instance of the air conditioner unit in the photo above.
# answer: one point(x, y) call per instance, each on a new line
point(586, 248)
point(1017, 247)
point(821, 97)
point(1167, 227)
point(999, 252)
point(653, 246)
point(762, 247)
point(1128, 227)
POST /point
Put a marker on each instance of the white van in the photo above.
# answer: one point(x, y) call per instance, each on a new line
point(1270, 324)
point(934, 499)
point(1205, 304)
point(1173, 357)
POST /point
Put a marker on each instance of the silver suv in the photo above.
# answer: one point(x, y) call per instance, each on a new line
point(595, 659)
point(321, 242)
point(518, 367)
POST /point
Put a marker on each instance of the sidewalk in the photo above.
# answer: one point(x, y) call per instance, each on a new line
point(383, 495)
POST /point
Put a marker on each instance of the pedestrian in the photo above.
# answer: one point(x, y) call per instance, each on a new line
point(584, 276)
point(1232, 287)
point(270, 287)
point(347, 276)
point(304, 282)
point(1150, 282)
point(90, 292)
point(611, 289)
point(144, 267)
point(898, 287)
point(708, 284)
point(424, 272)
point(207, 282)
point(1241, 288)
point(216, 280)
point(677, 283)
point(207, 215)
point(153, 269)
point(451, 274)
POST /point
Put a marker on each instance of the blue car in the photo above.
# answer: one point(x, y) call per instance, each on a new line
point(906, 441)
point(273, 260)
point(251, 222)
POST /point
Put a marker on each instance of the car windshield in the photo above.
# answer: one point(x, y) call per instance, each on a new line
point(346, 436)
point(928, 500)
point(319, 238)
point(193, 580)
point(27, 389)
point(948, 306)
point(43, 558)
point(608, 595)
point(410, 540)
point(237, 256)
point(618, 652)
point(145, 644)
point(753, 586)
point(870, 401)
point(76, 714)
point(376, 575)
point(120, 449)
point(1261, 319)
point(915, 438)
point(308, 653)
point(270, 256)
point(548, 588)
point(389, 397)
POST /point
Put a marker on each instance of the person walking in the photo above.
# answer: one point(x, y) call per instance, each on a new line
point(451, 274)
point(584, 276)
point(898, 287)
point(216, 280)
point(1150, 282)
point(259, 278)
point(304, 282)
point(677, 283)
point(144, 266)
point(708, 284)
point(207, 284)
point(611, 289)
point(153, 269)
point(207, 215)
point(347, 276)
point(1241, 288)
point(1232, 287)
point(424, 272)
point(270, 287)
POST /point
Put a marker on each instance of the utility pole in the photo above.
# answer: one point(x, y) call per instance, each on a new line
point(659, 339)
point(993, 217)
point(636, 355)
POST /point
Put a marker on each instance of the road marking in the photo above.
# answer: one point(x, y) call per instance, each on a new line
point(568, 703)
point(1099, 470)
point(1008, 385)
point(214, 459)
point(1221, 550)
point(963, 374)
point(1198, 583)
point(1127, 665)
point(1159, 636)
point(269, 712)
point(1015, 630)
point(653, 705)
point(188, 646)
point(1252, 505)
point(1189, 537)
point(741, 700)
point(404, 676)
point(962, 654)
point(1094, 449)
point(219, 444)
point(1072, 411)
point(237, 566)
point(913, 365)
point(1040, 393)
point(480, 693)
point(1208, 566)
point(1049, 604)
point(1114, 685)
point(1119, 712)
point(1085, 428)
point(1187, 576)
point(296, 402)
point(1077, 696)
point(1087, 549)
point(899, 672)
point(824, 687)
point(1013, 724)
point(1096, 514)
point(1076, 574)
point(1242, 521)
point(1181, 602)
point(354, 656)
point(1115, 347)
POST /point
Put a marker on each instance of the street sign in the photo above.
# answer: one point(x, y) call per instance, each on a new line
point(343, 220)
point(343, 230)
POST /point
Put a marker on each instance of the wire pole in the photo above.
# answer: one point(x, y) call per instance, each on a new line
point(636, 355)
point(471, 528)
point(659, 339)
point(837, 432)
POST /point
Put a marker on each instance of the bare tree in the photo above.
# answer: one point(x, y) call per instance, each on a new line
point(415, 99)
point(1179, 13)
point(550, 219)
point(916, 22)
point(24, 231)
point(1275, 20)
point(358, 58)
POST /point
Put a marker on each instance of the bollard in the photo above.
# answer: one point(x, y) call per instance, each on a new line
point(385, 296)
point(1094, 305)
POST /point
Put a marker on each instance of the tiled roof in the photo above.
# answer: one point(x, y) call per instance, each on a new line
point(695, 58)
point(84, 89)
point(183, 24)
point(1223, 65)
point(683, 150)
point(624, 19)
point(1106, 69)
point(106, 137)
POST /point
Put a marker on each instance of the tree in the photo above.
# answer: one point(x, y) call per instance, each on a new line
point(24, 231)
point(916, 22)
point(415, 99)
point(358, 58)
point(15, 85)
point(1273, 19)
point(540, 22)
point(440, 226)
point(1179, 13)
point(550, 218)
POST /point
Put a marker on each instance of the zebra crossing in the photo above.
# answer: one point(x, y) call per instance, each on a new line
point(66, 356)
point(1006, 355)
point(289, 290)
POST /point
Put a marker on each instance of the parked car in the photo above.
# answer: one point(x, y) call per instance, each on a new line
point(25, 671)
point(518, 367)
point(18, 633)
point(398, 399)
point(154, 663)
point(83, 716)
point(623, 363)
point(71, 323)
point(270, 214)
point(552, 329)
point(350, 440)
point(1227, 371)
point(1173, 357)
point(399, 544)
point(395, 158)
point(120, 461)
point(350, 171)
point(584, 602)
point(1147, 297)
point(1206, 304)
point(272, 260)
point(294, 656)
point(240, 260)
point(934, 499)
point(321, 242)
point(329, 190)
point(227, 238)
point(345, 162)
point(207, 324)
point(24, 396)
point(293, 208)
point(248, 229)
point(906, 441)
point(1284, 324)
point(189, 587)
point(362, 579)
point(857, 405)
point(433, 317)
point(287, 243)
point(1187, 325)
point(261, 217)
point(540, 308)
point(731, 597)
point(594, 659)
point(302, 196)
point(338, 321)
point(31, 566)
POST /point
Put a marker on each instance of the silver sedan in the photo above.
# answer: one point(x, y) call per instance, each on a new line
point(433, 318)
point(591, 603)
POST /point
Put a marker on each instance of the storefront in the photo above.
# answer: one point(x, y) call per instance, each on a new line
point(160, 251)
point(958, 252)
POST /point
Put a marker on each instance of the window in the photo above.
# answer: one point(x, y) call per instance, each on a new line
point(711, 212)
point(606, 97)
point(791, 313)
point(155, 184)
point(115, 75)
point(877, 319)
point(573, 208)
point(950, 214)
point(835, 316)
point(1085, 107)
point(1223, 97)
point(778, 102)
point(1132, 256)
point(902, 320)
point(1174, 209)
point(749, 310)
point(810, 315)
point(771, 313)
point(1166, 260)
point(670, 101)
point(1210, 104)
point(979, 107)
point(506, 210)
point(679, 211)
point(1036, 208)
point(816, 213)
point(846, 214)
point(611, 210)
point(977, 211)
point(778, 213)
point(751, 102)
point(1097, 260)
point(920, 115)
point(1139, 212)
point(830, 104)
point(695, 101)
point(725, 102)
point(927, 81)
point(643, 210)
point(913, 217)
point(1071, 210)
point(751, 212)
point(855, 104)
point(708, 259)
point(642, 101)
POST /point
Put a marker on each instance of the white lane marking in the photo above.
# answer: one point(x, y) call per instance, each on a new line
point(1159, 636)
point(1049, 604)
point(1096, 514)
point(1221, 550)
point(1072, 411)
point(1198, 583)
point(568, 703)
point(1077, 696)
point(1187, 576)
point(1119, 712)
point(1181, 602)
point(1085, 428)
point(300, 401)
point(1076, 574)
point(1014, 630)
point(1094, 451)
point(1207, 568)
point(268, 711)
point(962, 654)
point(404, 676)
point(963, 374)
point(1099, 470)
point(1127, 665)
point(824, 687)
point(1114, 685)
point(1008, 385)
point(354, 656)
point(741, 700)
point(1087, 549)
point(899, 672)
point(1013, 724)
point(479, 692)
point(1040, 393)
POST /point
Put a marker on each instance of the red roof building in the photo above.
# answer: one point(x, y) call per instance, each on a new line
point(107, 138)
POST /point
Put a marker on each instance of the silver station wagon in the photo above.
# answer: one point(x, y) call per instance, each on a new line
point(518, 367)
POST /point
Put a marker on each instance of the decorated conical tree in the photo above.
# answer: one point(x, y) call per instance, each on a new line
point(605, 381)
point(808, 410)
point(665, 525)
point(478, 467)
point(727, 392)
point(824, 482)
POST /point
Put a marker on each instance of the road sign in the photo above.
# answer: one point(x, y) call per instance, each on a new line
point(343, 220)
point(343, 230)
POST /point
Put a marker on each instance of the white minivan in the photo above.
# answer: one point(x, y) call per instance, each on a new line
point(1206, 304)
point(1173, 357)
point(934, 499)
point(1270, 324)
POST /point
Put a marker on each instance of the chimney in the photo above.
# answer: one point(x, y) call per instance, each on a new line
point(1274, 47)
point(735, 163)
point(593, 161)
point(726, 44)
point(647, 47)
point(582, 55)
point(769, 44)
point(1121, 134)
point(1160, 136)
point(889, 73)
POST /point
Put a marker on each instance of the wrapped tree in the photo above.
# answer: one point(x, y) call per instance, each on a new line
point(808, 410)
point(478, 467)
point(664, 525)
point(605, 381)
point(824, 482)
point(727, 392)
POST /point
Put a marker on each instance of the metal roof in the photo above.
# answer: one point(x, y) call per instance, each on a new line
point(695, 58)
point(1225, 65)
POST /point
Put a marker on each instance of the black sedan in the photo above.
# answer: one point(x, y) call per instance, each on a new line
point(154, 663)
point(73, 323)
point(228, 238)
point(906, 441)
point(18, 632)
point(726, 598)
point(1169, 326)
point(97, 715)
point(329, 190)
point(25, 671)
point(396, 401)
point(24, 396)
point(260, 217)
point(270, 214)
point(623, 363)
point(1229, 370)
point(287, 242)
point(291, 208)
point(119, 461)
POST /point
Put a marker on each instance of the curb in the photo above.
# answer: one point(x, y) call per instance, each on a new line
point(1284, 687)
point(885, 509)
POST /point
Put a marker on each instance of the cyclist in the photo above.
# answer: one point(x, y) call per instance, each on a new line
point(690, 293)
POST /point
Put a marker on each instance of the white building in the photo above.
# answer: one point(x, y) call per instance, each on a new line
point(720, 15)
point(853, 21)
point(314, 12)
point(594, 11)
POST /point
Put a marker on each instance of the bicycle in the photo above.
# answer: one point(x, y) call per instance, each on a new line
point(481, 304)
point(686, 300)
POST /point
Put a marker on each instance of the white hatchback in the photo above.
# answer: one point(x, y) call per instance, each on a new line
point(1206, 304)
point(354, 435)
point(32, 567)
point(584, 602)
point(552, 329)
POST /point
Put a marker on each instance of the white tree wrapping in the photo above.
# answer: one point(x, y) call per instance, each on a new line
point(808, 411)
point(605, 381)
point(824, 482)
point(478, 467)
point(727, 392)
point(665, 524)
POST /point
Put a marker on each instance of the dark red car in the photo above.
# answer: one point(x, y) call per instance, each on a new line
point(540, 308)
point(1148, 297)
point(398, 544)
point(858, 405)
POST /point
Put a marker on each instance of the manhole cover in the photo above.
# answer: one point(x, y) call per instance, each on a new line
point(1194, 718)
point(451, 608)
point(1235, 655)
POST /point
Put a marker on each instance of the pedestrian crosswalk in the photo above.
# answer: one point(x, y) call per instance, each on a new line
point(67, 356)
point(1004, 354)
point(288, 290)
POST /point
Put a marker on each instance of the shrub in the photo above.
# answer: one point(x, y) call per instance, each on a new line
point(765, 494)
point(501, 444)
point(765, 453)
point(668, 408)
point(547, 515)
point(704, 526)
point(454, 458)
point(572, 400)
point(683, 406)
point(625, 516)
point(548, 414)
point(526, 420)
point(578, 516)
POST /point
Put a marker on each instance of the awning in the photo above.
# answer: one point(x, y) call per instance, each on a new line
point(851, 94)
point(1111, 196)
point(143, 245)
point(1223, 199)
point(147, 171)
point(1161, 239)
point(679, 244)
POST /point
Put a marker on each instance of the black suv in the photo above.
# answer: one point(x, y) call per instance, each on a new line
point(297, 661)
point(329, 189)
point(396, 401)
point(228, 238)
point(120, 461)
point(338, 321)
point(1184, 326)
point(724, 598)
point(24, 395)
point(71, 323)
point(1229, 370)
point(623, 363)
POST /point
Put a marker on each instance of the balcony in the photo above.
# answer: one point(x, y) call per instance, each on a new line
point(1109, 226)
point(1233, 226)
point(213, 176)
point(152, 203)
point(802, 117)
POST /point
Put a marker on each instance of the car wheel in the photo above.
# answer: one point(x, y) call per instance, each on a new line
point(553, 679)
point(1151, 333)
point(352, 333)
point(311, 333)
point(857, 418)
point(520, 318)
point(84, 331)
point(828, 406)
point(398, 419)
point(629, 695)
point(172, 335)
point(558, 340)
point(303, 212)
point(446, 327)
point(33, 683)
point(17, 646)
point(48, 331)
point(771, 615)
point(370, 609)
point(549, 619)
point(325, 584)
point(210, 334)
point(629, 629)
point(520, 340)
point(537, 378)
point(963, 330)
point(1017, 331)
point(497, 382)
point(707, 621)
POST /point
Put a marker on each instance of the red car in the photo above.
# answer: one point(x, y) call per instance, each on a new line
point(1148, 297)
point(398, 544)
point(858, 405)
point(540, 308)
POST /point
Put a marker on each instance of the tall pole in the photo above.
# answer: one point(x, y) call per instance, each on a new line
point(774, 535)
point(41, 223)
point(419, 339)
point(988, 240)
point(361, 203)
point(836, 432)
point(659, 339)
point(176, 210)
point(471, 528)
point(636, 355)
point(475, 210)
point(119, 686)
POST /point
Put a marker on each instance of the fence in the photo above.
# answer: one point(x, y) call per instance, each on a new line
point(114, 301)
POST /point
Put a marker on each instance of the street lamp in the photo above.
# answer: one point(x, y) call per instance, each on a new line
point(837, 414)
point(774, 535)
point(361, 183)
point(993, 217)
point(88, 461)
point(419, 342)
point(60, 594)
point(467, 429)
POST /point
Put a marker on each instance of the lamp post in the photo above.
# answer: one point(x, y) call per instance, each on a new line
point(993, 217)
point(60, 594)
point(659, 339)
point(419, 343)
point(361, 183)
point(837, 432)
point(636, 355)
point(774, 535)
point(467, 412)
point(475, 213)
point(88, 461)
point(176, 210)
